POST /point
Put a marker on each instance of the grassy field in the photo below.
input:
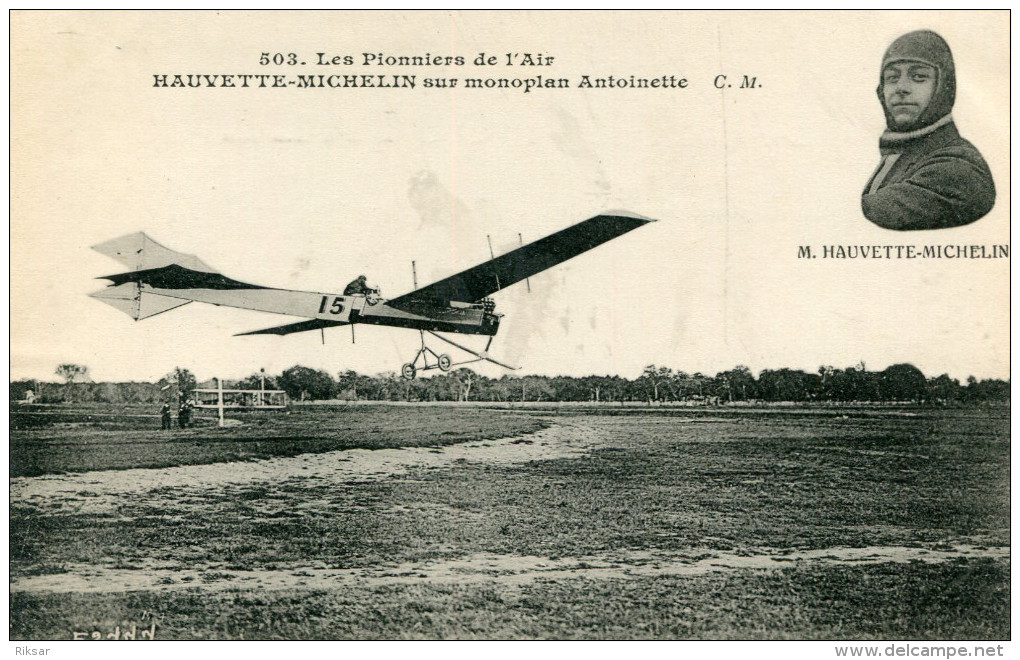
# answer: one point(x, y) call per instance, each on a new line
point(652, 489)
point(954, 601)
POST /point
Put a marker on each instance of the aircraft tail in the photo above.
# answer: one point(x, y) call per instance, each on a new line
point(142, 254)
point(132, 299)
point(139, 252)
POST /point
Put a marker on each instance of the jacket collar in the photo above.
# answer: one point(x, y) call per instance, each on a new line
point(943, 130)
point(895, 136)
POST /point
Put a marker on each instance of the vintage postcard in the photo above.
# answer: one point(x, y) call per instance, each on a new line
point(511, 325)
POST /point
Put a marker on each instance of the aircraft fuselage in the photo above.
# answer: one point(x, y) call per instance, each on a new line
point(465, 320)
point(461, 318)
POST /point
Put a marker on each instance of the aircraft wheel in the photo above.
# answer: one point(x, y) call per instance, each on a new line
point(445, 362)
point(408, 371)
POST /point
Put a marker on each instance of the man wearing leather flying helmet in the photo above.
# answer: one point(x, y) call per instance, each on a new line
point(929, 177)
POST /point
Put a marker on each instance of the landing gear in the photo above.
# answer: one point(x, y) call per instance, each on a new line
point(442, 362)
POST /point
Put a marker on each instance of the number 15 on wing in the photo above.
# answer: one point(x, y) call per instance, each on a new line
point(336, 307)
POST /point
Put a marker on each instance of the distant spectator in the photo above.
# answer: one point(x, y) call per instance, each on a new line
point(184, 415)
point(164, 413)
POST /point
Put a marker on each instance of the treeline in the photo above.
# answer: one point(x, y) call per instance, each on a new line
point(899, 383)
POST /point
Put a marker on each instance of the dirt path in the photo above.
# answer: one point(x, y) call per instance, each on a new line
point(101, 491)
point(506, 570)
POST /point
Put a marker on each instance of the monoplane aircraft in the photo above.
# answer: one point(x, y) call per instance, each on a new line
point(161, 279)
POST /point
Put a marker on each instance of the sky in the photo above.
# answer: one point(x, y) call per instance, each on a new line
point(308, 188)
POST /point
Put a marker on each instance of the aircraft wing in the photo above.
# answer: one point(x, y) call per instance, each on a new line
point(300, 326)
point(487, 278)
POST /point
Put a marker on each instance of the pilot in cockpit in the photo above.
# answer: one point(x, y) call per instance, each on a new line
point(359, 287)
